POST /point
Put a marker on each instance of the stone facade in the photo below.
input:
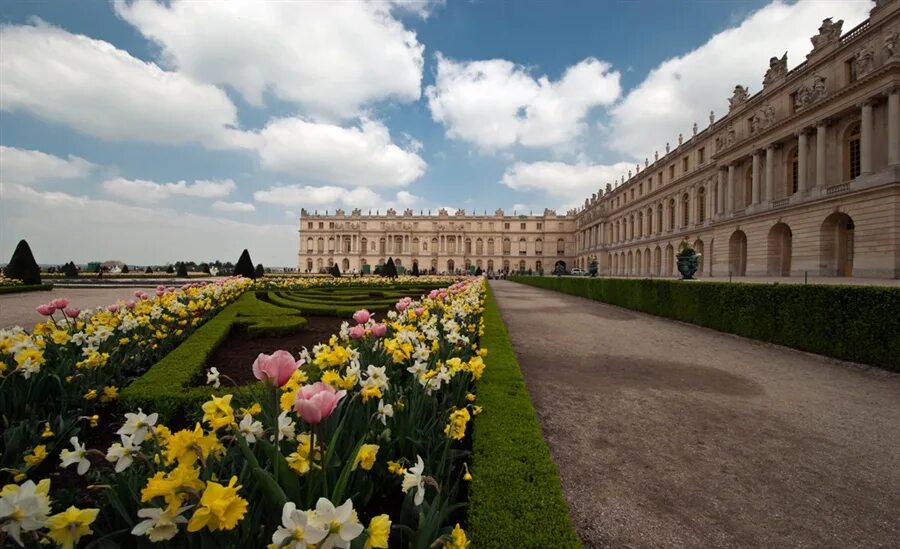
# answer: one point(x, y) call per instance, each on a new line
point(802, 176)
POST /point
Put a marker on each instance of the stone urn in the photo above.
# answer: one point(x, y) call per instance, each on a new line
point(687, 264)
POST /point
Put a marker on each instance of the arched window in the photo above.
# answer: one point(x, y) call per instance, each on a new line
point(793, 173)
point(640, 224)
point(309, 265)
point(490, 265)
point(659, 218)
point(363, 244)
point(649, 221)
point(631, 225)
point(852, 154)
point(490, 249)
point(507, 246)
point(701, 204)
point(309, 246)
point(685, 209)
point(330, 245)
point(415, 244)
point(523, 246)
point(748, 187)
point(522, 266)
point(321, 245)
point(671, 214)
point(479, 247)
point(560, 246)
point(538, 246)
point(382, 243)
point(468, 246)
point(538, 266)
point(434, 245)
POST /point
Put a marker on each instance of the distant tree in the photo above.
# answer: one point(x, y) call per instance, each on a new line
point(148, 270)
point(51, 270)
point(390, 270)
point(260, 271)
point(170, 269)
point(204, 267)
point(125, 269)
point(244, 266)
point(23, 266)
point(378, 270)
point(181, 271)
point(415, 269)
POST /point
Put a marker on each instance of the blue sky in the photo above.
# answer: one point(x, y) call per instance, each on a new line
point(151, 132)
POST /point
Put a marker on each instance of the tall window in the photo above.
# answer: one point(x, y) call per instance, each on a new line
point(490, 248)
point(523, 246)
point(659, 218)
point(793, 178)
point(671, 214)
point(701, 155)
point(538, 246)
point(309, 246)
point(701, 205)
point(852, 74)
point(560, 246)
point(685, 209)
point(640, 224)
point(507, 245)
point(852, 154)
point(748, 187)
point(479, 247)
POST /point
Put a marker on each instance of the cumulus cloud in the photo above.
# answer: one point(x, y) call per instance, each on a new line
point(570, 183)
point(682, 90)
point(233, 206)
point(496, 103)
point(140, 190)
point(333, 58)
point(100, 90)
point(323, 197)
point(133, 234)
point(28, 167)
point(362, 155)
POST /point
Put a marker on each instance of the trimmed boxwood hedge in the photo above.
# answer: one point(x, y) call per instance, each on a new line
point(25, 288)
point(515, 498)
point(857, 323)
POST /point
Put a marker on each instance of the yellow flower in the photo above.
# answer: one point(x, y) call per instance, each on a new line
point(470, 397)
point(457, 539)
point(94, 420)
point(186, 446)
point(47, 431)
point(467, 476)
point(299, 461)
point(396, 469)
point(378, 532)
point(90, 395)
point(365, 458)
point(348, 382)
point(173, 485)
point(220, 508)
point(476, 366)
point(218, 412)
point(38, 455)
point(332, 378)
point(370, 391)
point(476, 410)
point(110, 393)
point(2, 367)
point(252, 410)
point(66, 528)
point(456, 428)
point(60, 337)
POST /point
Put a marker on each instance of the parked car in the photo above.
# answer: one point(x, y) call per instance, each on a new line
point(578, 272)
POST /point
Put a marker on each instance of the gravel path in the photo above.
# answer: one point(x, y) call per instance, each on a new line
point(672, 435)
point(18, 309)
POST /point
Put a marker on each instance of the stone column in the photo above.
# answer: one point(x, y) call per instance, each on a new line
point(720, 193)
point(802, 153)
point(821, 132)
point(729, 190)
point(770, 173)
point(894, 126)
point(865, 140)
point(755, 179)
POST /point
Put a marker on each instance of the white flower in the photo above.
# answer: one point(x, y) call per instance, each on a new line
point(295, 527)
point(24, 508)
point(137, 425)
point(417, 368)
point(413, 478)
point(160, 525)
point(285, 427)
point(384, 411)
point(251, 429)
point(376, 376)
point(340, 522)
point(122, 454)
point(212, 377)
point(79, 456)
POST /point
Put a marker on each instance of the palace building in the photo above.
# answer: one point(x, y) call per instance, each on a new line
point(802, 176)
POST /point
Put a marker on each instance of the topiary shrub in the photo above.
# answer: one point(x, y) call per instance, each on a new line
point(125, 269)
point(260, 271)
point(70, 270)
point(334, 271)
point(23, 266)
point(181, 270)
point(148, 270)
point(244, 266)
point(170, 269)
point(390, 270)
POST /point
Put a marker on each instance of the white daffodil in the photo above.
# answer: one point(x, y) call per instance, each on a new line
point(340, 523)
point(78, 455)
point(122, 453)
point(296, 529)
point(384, 411)
point(413, 478)
point(417, 368)
point(24, 508)
point(250, 429)
point(212, 377)
point(137, 425)
point(286, 428)
point(376, 376)
point(160, 524)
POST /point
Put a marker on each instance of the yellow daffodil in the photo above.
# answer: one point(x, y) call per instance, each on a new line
point(378, 532)
point(365, 458)
point(220, 507)
point(68, 527)
point(218, 412)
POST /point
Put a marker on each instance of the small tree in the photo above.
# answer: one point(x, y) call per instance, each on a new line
point(181, 270)
point(244, 266)
point(125, 269)
point(378, 270)
point(23, 266)
point(334, 271)
point(415, 269)
point(170, 269)
point(70, 270)
point(260, 271)
point(390, 270)
point(148, 270)
point(205, 268)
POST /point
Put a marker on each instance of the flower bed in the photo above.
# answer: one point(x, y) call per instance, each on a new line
point(368, 428)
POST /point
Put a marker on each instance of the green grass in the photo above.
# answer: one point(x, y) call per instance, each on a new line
point(515, 498)
point(341, 301)
point(856, 323)
point(25, 288)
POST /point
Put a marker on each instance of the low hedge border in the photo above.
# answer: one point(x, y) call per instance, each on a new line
point(515, 497)
point(856, 323)
point(167, 388)
point(28, 288)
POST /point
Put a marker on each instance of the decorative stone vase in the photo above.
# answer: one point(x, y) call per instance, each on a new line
point(687, 266)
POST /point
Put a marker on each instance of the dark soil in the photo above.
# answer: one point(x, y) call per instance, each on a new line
point(234, 357)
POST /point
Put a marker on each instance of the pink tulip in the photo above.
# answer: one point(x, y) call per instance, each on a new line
point(47, 309)
point(419, 311)
point(72, 312)
point(60, 303)
point(129, 304)
point(362, 316)
point(357, 332)
point(112, 308)
point(160, 293)
point(275, 369)
point(433, 294)
point(316, 402)
point(378, 330)
point(402, 304)
point(138, 293)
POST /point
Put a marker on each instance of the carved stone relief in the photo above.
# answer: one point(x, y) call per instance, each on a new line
point(829, 33)
point(777, 69)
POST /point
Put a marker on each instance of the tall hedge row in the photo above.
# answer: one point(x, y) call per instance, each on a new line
point(857, 323)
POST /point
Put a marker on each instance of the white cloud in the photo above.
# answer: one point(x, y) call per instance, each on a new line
point(497, 104)
point(331, 57)
point(100, 90)
point(140, 190)
point(351, 156)
point(330, 197)
point(233, 206)
point(682, 90)
point(27, 166)
point(137, 235)
point(571, 183)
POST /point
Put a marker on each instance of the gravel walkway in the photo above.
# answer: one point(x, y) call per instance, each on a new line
point(18, 309)
point(671, 435)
